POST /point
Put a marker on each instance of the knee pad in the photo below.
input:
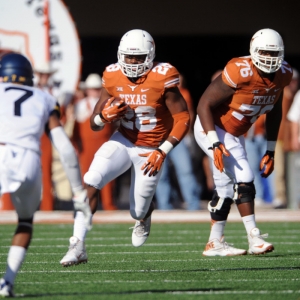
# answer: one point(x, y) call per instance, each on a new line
point(93, 178)
point(25, 222)
point(24, 225)
point(219, 207)
point(245, 192)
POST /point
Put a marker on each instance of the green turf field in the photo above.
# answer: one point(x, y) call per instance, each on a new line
point(169, 266)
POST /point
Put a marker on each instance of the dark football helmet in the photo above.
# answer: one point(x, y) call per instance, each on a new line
point(16, 68)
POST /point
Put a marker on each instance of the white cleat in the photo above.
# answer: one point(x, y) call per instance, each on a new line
point(257, 245)
point(141, 231)
point(76, 253)
point(221, 248)
point(6, 289)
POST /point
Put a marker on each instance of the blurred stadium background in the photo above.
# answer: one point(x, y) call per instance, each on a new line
point(198, 37)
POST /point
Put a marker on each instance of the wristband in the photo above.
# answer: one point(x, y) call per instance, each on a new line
point(102, 118)
point(166, 147)
point(212, 137)
point(271, 145)
point(98, 121)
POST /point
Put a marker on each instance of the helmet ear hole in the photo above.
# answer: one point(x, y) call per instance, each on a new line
point(16, 68)
point(136, 42)
point(267, 40)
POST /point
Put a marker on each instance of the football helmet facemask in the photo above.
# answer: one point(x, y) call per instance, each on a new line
point(16, 68)
point(267, 40)
point(136, 42)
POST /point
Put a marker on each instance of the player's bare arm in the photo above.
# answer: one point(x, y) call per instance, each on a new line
point(215, 94)
point(273, 119)
point(53, 121)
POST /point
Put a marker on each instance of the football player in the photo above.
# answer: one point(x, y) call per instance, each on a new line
point(25, 113)
point(248, 87)
point(153, 119)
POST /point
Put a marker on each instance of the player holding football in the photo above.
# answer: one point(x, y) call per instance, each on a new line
point(153, 119)
point(247, 88)
point(25, 113)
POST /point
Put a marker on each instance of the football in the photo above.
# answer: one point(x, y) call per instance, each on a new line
point(116, 101)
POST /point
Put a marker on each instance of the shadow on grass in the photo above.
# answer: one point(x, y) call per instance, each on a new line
point(162, 291)
point(248, 269)
point(280, 255)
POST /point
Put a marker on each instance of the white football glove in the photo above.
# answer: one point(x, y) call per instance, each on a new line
point(81, 203)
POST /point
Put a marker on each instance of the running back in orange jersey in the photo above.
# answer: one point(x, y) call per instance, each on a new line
point(148, 121)
point(254, 95)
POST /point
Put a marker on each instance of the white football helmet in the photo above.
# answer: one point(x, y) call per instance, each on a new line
point(136, 42)
point(267, 40)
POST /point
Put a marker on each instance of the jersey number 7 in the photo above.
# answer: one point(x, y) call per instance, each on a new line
point(19, 101)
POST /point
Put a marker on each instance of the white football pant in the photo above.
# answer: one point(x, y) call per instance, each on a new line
point(114, 158)
point(237, 168)
point(20, 175)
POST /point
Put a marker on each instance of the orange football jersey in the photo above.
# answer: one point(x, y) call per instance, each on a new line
point(148, 121)
point(253, 97)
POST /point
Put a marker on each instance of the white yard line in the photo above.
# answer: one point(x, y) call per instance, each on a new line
point(153, 281)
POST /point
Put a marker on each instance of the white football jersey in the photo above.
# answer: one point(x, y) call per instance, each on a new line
point(24, 113)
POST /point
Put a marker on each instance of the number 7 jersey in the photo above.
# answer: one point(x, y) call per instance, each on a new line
point(24, 113)
point(253, 95)
point(148, 121)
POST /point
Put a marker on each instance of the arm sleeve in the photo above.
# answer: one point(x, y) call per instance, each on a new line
point(181, 125)
point(67, 156)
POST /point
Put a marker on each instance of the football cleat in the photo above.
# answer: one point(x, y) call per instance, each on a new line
point(257, 244)
point(76, 253)
point(6, 289)
point(141, 231)
point(221, 248)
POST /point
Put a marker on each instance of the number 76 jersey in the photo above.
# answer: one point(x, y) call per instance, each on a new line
point(24, 113)
point(148, 121)
point(253, 95)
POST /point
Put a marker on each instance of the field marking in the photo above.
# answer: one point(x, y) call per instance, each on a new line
point(144, 246)
point(178, 238)
point(264, 257)
point(110, 253)
point(164, 260)
point(158, 270)
point(154, 281)
point(212, 292)
point(105, 231)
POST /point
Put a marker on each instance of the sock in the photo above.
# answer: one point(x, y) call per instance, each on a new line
point(15, 258)
point(249, 222)
point(79, 229)
point(217, 229)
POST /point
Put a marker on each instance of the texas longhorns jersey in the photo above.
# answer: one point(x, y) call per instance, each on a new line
point(253, 97)
point(148, 121)
point(24, 113)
